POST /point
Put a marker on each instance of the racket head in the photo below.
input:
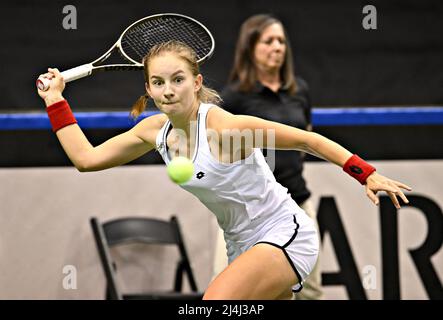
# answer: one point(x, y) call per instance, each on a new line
point(136, 41)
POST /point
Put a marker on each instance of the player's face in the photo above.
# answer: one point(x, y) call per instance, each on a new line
point(269, 52)
point(172, 85)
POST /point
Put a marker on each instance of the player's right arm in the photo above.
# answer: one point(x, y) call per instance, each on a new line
point(116, 151)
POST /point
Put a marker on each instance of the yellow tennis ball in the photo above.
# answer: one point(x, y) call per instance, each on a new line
point(180, 170)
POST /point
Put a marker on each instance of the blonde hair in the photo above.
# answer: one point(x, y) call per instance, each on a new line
point(205, 94)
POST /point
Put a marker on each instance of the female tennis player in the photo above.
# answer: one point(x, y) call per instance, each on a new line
point(272, 243)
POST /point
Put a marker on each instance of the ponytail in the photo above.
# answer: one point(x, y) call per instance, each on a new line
point(139, 106)
point(208, 95)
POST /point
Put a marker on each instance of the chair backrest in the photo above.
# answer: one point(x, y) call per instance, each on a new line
point(139, 230)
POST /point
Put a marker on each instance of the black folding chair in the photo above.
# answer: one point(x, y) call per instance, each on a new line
point(146, 231)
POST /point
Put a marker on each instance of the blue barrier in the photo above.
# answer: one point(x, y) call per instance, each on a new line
point(320, 117)
point(377, 116)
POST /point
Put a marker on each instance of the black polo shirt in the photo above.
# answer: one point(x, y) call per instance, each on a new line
point(293, 110)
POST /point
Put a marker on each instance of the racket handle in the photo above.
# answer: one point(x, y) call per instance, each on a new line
point(68, 75)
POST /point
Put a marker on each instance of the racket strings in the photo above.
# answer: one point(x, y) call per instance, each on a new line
point(138, 40)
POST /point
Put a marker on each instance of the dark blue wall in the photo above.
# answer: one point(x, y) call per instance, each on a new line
point(399, 63)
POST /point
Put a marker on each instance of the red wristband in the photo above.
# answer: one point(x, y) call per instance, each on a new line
point(358, 168)
point(60, 115)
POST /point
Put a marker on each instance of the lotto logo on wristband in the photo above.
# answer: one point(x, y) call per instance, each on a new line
point(358, 168)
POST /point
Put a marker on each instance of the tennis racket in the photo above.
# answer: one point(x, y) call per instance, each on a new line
point(136, 41)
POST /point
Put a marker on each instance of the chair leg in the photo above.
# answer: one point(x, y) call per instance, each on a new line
point(179, 277)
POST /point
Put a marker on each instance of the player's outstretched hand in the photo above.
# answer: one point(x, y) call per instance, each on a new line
point(376, 182)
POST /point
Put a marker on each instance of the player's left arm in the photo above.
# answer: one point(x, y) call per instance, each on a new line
point(279, 136)
point(290, 138)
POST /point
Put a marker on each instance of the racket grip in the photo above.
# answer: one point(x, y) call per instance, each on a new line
point(68, 75)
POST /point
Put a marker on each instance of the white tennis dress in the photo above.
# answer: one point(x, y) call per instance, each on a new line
point(250, 205)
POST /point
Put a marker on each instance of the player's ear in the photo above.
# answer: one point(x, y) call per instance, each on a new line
point(147, 88)
point(198, 82)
